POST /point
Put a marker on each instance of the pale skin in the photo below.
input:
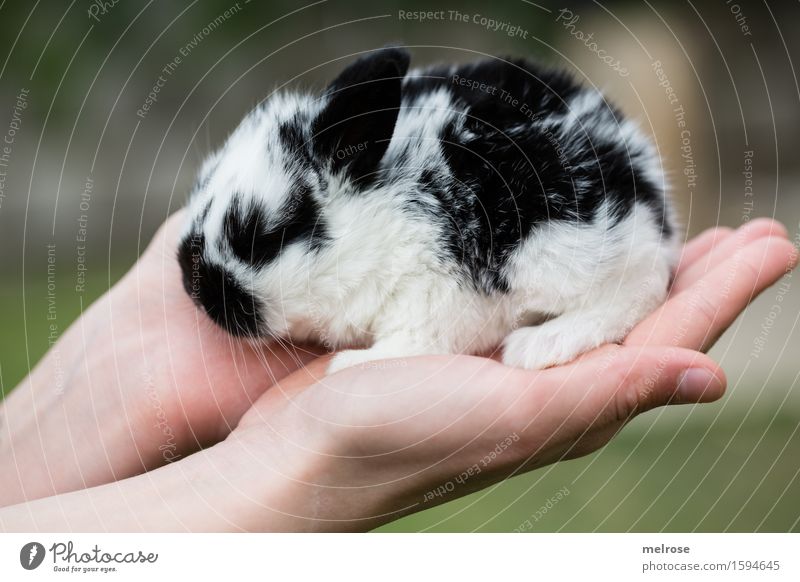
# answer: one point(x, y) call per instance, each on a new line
point(145, 417)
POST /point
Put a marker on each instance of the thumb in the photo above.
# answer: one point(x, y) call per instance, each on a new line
point(620, 383)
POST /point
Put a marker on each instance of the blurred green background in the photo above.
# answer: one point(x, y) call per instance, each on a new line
point(86, 71)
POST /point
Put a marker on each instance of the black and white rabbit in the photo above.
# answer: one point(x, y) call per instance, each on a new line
point(448, 210)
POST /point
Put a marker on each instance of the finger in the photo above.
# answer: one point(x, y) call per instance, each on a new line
point(312, 372)
point(627, 381)
point(700, 245)
point(697, 316)
point(754, 230)
point(579, 407)
point(165, 240)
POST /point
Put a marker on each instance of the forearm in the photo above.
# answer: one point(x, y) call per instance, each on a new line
point(77, 420)
point(223, 488)
point(63, 427)
point(185, 496)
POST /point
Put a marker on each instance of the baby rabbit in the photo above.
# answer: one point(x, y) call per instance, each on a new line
point(448, 210)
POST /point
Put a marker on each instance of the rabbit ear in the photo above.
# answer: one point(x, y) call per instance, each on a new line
point(353, 130)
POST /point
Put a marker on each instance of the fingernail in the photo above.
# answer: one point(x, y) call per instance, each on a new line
point(699, 385)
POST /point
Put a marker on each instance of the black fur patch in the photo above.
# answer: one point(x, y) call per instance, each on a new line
point(216, 292)
point(255, 243)
point(353, 131)
point(509, 174)
point(295, 141)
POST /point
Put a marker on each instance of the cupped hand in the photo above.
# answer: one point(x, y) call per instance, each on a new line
point(349, 451)
point(142, 378)
point(206, 378)
point(397, 436)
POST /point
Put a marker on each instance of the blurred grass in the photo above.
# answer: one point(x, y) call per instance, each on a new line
point(656, 475)
point(647, 490)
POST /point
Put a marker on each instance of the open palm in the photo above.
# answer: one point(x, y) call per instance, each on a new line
point(408, 428)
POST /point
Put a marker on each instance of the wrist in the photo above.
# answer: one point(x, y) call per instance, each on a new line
point(294, 472)
point(277, 482)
